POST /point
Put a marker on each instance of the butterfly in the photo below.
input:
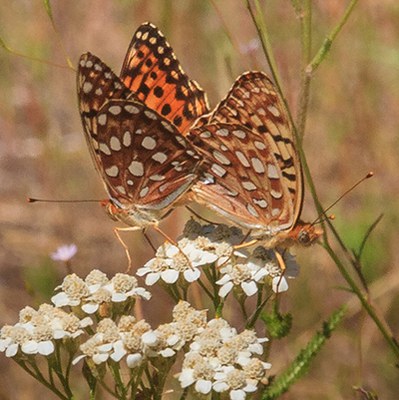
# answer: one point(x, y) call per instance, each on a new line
point(134, 127)
point(255, 175)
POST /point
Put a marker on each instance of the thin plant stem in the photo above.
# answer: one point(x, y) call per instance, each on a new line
point(121, 389)
point(39, 377)
point(328, 41)
point(260, 25)
point(306, 44)
point(36, 59)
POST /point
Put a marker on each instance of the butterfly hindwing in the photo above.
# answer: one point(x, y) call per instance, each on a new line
point(243, 180)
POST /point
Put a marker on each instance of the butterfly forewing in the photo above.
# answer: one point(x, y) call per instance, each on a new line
point(144, 160)
point(254, 103)
point(244, 180)
point(152, 71)
point(96, 84)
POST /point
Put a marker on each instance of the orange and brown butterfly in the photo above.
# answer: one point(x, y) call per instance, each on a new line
point(255, 176)
point(134, 127)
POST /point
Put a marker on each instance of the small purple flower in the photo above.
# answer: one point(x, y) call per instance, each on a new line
point(64, 253)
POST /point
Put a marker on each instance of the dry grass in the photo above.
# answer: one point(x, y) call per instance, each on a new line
point(352, 128)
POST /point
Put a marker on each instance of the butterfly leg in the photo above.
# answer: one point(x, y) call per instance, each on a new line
point(149, 241)
point(280, 260)
point(117, 234)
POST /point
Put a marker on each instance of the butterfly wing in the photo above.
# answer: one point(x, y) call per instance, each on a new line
point(144, 160)
point(96, 84)
point(153, 73)
point(254, 103)
point(244, 181)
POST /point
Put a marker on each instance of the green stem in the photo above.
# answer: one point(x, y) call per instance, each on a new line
point(260, 25)
point(306, 42)
point(328, 41)
point(121, 390)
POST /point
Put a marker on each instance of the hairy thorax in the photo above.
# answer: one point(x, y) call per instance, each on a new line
point(132, 215)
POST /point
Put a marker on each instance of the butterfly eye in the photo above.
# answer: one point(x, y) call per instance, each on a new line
point(304, 238)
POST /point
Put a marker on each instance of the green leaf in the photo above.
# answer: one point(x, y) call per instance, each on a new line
point(278, 325)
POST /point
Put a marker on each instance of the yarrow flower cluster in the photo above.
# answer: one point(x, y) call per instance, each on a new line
point(204, 245)
point(136, 341)
point(37, 331)
point(96, 289)
point(246, 271)
point(200, 246)
point(222, 360)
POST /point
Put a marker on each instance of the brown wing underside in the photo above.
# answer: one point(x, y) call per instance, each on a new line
point(253, 102)
point(145, 161)
point(243, 180)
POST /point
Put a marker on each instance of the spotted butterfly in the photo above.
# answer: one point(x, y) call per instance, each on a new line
point(134, 124)
point(255, 176)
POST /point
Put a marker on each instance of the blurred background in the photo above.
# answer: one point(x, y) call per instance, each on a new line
point(352, 128)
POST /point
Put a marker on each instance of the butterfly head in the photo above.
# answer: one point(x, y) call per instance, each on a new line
point(305, 233)
point(110, 209)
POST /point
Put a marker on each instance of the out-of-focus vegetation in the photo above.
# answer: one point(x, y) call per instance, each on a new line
point(352, 128)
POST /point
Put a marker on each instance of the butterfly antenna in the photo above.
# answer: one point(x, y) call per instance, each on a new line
point(34, 200)
point(320, 218)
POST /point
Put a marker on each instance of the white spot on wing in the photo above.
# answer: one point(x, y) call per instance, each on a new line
point(136, 168)
point(149, 143)
point(222, 132)
point(275, 194)
point(262, 203)
point(272, 171)
point(132, 109)
point(115, 110)
point(144, 191)
point(112, 171)
point(205, 135)
point(115, 143)
point(248, 185)
point(105, 149)
point(218, 170)
point(243, 160)
point(159, 157)
point(127, 139)
point(257, 165)
point(221, 158)
point(252, 211)
point(259, 145)
point(151, 115)
point(239, 133)
point(102, 119)
point(273, 110)
point(168, 126)
point(157, 178)
point(87, 87)
point(120, 189)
